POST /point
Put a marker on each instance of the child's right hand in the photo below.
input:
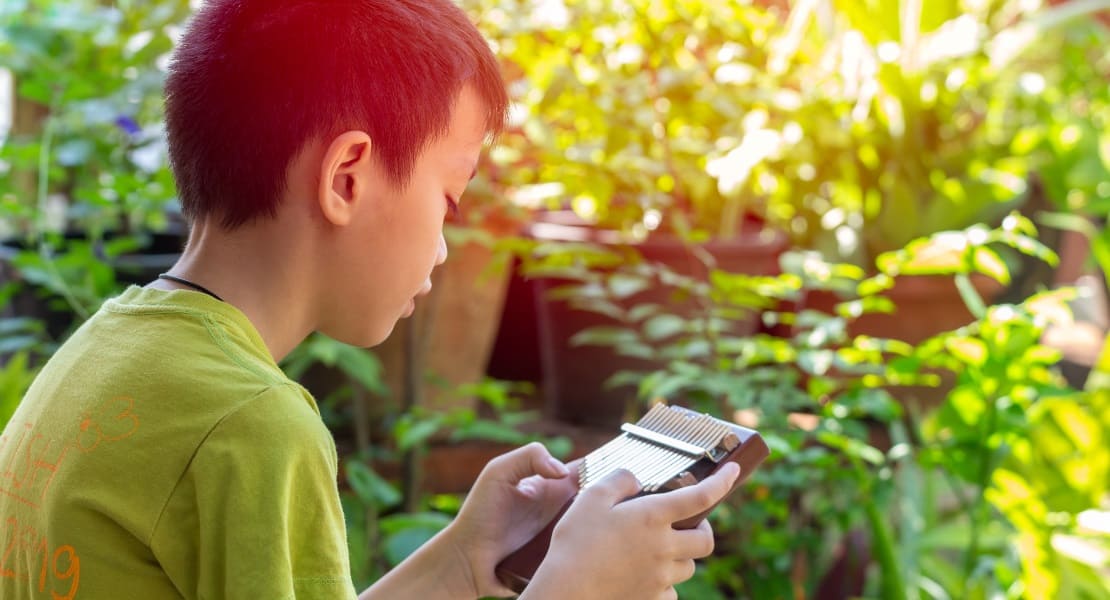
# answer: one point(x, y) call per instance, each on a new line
point(607, 548)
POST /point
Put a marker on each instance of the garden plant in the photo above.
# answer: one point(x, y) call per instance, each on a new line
point(885, 139)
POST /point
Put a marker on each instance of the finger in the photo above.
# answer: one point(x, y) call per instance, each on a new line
point(693, 543)
point(683, 570)
point(615, 487)
point(554, 490)
point(689, 501)
point(669, 594)
point(532, 459)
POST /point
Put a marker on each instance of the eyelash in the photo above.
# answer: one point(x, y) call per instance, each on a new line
point(452, 209)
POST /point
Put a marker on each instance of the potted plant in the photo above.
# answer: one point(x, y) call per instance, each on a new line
point(910, 122)
point(621, 109)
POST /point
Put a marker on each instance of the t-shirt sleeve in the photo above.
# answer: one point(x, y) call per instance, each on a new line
point(257, 514)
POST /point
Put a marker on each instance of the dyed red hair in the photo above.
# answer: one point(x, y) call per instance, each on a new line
point(253, 81)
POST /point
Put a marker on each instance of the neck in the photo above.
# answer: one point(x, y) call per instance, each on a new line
point(259, 269)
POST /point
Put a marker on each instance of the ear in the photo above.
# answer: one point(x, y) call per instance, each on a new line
point(345, 172)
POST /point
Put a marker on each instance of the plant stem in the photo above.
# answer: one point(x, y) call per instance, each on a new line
point(43, 190)
point(985, 460)
point(970, 296)
point(410, 394)
point(892, 584)
point(894, 588)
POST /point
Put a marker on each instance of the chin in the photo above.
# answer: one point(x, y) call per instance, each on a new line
point(362, 337)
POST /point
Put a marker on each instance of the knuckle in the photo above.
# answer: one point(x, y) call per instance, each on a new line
point(625, 478)
point(704, 497)
point(494, 466)
point(533, 447)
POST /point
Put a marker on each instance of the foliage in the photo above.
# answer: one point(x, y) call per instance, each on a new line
point(83, 69)
point(622, 105)
point(928, 108)
point(15, 377)
point(83, 172)
point(856, 126)
point(932, 498)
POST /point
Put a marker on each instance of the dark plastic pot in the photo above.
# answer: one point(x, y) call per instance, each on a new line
point(158, 253)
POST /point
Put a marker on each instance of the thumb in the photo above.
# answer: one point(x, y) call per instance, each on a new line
point(532, 459)
point(614, 488)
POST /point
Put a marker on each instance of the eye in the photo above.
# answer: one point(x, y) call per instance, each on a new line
point(453, 212)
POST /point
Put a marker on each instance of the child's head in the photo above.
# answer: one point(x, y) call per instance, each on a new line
point(254, 80)
point(370, 114)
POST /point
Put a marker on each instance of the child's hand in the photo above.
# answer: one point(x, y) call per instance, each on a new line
point(516, 495)
point(604, 548)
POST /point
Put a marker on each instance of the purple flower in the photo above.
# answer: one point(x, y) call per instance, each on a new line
point(128, 125)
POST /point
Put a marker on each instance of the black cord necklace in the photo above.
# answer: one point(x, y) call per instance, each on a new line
point(195, 286)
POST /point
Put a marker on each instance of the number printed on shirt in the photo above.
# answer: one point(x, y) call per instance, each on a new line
point(57, 570)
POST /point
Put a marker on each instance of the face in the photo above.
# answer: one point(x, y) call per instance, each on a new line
point(394, 238)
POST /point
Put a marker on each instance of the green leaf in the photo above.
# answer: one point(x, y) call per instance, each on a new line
point(989, 263)
point(816, 362)
point(407, 533)
point(852, 447)
point(622, 286)
point(642, 311)
point(417, 520)
point(604, 336)
point(661, 327)
point(364, 367)
point(968, 350)
point(492, 431)
point(412, 433)
point(1099, 378)
point(370, 487)
point(74, 152)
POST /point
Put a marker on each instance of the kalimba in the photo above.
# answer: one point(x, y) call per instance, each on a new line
point(669, 448)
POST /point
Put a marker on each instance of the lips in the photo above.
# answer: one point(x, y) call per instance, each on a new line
point(424, 291)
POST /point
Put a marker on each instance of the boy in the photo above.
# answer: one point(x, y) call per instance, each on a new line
point(318, 146)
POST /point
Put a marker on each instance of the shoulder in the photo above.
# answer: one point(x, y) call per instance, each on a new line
point(280, 409)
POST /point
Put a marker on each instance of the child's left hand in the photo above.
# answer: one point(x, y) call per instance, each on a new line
point(515, 496)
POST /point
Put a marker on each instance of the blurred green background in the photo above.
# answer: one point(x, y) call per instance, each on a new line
point(876, 230)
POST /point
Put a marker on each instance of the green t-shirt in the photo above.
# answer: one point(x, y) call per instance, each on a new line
point(162, 453)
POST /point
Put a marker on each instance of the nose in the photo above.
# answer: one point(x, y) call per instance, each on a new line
point(441, 255)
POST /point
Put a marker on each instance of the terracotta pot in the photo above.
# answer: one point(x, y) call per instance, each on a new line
point(456, 327)
point(925, 305)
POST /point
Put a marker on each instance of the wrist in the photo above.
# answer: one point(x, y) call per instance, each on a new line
point(551, 581)
point(438, 570)
point(460, 574)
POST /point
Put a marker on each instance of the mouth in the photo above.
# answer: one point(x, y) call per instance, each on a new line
point(424, 291)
